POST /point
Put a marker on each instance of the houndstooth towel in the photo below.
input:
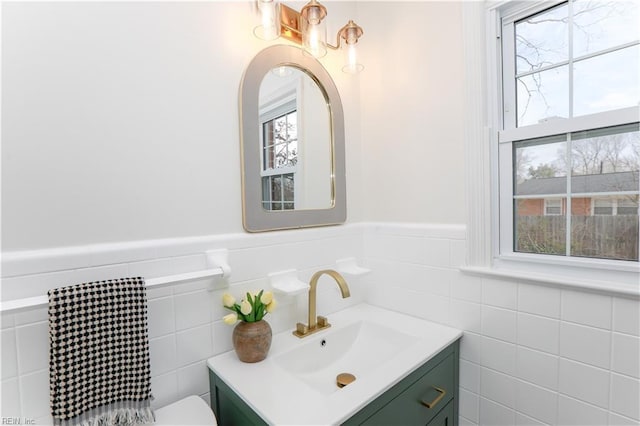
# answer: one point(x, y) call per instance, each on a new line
point(99, 370)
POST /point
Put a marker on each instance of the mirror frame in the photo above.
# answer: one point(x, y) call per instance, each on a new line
point(254, 217)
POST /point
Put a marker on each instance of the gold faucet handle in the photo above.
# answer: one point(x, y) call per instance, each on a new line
point(301, 329)
point(322, 321)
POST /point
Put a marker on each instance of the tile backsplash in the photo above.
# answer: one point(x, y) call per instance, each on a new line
point(185, 320)
point(531, 354)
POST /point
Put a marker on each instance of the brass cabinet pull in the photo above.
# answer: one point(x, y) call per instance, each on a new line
point(433, 403)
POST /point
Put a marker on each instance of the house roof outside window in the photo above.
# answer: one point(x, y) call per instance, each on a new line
point(605, 182)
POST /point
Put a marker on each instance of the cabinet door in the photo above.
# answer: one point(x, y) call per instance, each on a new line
point(444, 417)
point(420, 402)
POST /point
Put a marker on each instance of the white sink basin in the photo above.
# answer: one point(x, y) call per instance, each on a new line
point(357, 348)
point(296, 384)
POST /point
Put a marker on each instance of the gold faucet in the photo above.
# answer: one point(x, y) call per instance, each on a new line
point(319, 323)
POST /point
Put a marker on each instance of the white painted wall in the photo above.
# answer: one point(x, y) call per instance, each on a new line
point(411, 111)
point(120, 120)
point(140, 100)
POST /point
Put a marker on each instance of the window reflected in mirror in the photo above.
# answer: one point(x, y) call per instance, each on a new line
point(295, 142)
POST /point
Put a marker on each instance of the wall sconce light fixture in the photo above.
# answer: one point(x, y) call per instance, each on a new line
point(307, 29)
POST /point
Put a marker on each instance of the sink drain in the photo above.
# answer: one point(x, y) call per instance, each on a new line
point(343, 379)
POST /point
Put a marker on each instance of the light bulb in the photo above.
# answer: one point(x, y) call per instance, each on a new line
point(351, 60)
point(314, 39)
point(270, 20)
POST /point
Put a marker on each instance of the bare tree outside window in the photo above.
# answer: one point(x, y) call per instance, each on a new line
point(600, 192)
point(280, 156)
point(577, 194)
point(568, 60)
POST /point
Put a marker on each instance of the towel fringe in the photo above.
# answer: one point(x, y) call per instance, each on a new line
point(125, 413)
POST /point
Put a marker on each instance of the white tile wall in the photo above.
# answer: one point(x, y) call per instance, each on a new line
point(584, 382)
point(539, 300)
point(587, 308)
point(586, 344)
point(537, 367)
point(574, 412)
point(499, 293)
point(537, 402)
point(498, 387)
point(499, 323)
point(626, 316)
point(625, 394)
point(492, 413)
point(185, 326)
point(32, 347)
point(626, 354)
point(538, 333)
point(9, 354)
point(531, 354)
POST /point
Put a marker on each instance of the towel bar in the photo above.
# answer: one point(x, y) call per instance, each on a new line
point(217, 257)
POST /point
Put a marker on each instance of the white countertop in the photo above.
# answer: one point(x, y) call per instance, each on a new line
point(280, 398)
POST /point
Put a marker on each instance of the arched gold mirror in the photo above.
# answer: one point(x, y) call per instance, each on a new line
point(292, 136)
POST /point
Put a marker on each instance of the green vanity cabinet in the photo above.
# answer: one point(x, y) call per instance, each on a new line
point(404, 403)
point(228, 407)
point(427, 396)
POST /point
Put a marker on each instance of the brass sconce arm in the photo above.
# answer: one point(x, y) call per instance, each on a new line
point(350, 33)
point(291, 26)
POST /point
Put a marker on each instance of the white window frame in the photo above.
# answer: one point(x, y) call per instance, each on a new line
point(511, 133)
point(274, 109)
point(485, 136)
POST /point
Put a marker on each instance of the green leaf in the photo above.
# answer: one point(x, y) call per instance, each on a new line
point(260, 312)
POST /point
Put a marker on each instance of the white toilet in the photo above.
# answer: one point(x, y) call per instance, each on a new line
point(191, 410)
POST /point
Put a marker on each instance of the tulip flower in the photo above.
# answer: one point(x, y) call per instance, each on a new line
point(230, 319)
point(245, 307)
point(271, 306)
point(267, 297)
point(228, 300)
point(252, 309)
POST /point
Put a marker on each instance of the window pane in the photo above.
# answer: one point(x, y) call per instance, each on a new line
point(539, 167)
point(266, 192)
point(607, 82)
point(267, 143)
point(288, 187)
point(536, 232)
point(539, 220)
point(608, 152)
point(605, 161)
point(605, 236)
point(543, 96)
point(542, 39)
point(276, 188)
point(599, 25)
point(281, 142)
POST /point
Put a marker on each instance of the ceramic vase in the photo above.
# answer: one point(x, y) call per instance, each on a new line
point(252, 340)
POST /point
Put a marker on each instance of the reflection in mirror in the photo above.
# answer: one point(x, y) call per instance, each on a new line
point(295, 142)
point(292, 136)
